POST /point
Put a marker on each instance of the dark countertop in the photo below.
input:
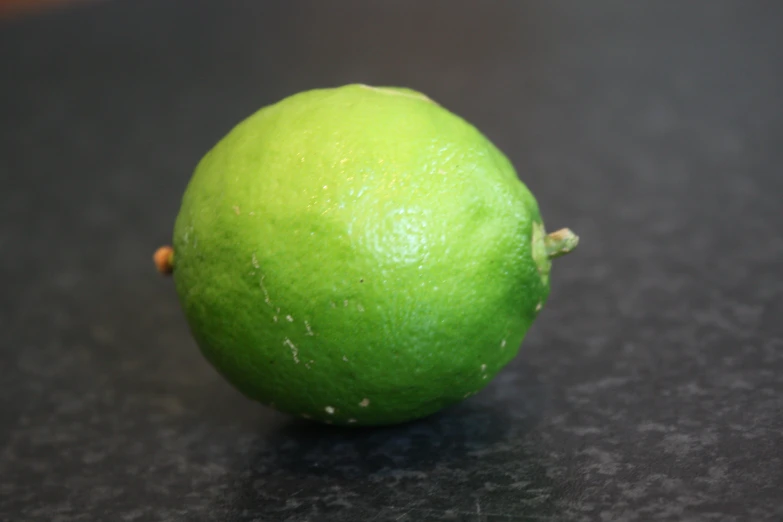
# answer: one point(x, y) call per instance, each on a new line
point(651, 388)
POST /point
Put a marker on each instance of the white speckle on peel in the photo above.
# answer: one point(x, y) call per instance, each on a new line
point(294, 350)
point(252, 213)
point(484, 376)
point(332, 304)
point(345, 303)
point(483, 367)
point(329, 410)
point(309, 331)
point(345, 358)
point(351, 421)
point(360, 308)
point(538, 307)
point(274, 318)
point(365, 402)
point(289, 318)
point(236, 210)
point(503, 343)
point(266, 294)
point(255, 261)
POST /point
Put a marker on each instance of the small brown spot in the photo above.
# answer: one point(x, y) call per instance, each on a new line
point(164, 260)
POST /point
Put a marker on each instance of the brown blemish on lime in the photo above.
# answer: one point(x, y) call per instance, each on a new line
point(164, 260)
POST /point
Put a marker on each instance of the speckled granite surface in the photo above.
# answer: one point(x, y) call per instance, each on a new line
point(650, 389)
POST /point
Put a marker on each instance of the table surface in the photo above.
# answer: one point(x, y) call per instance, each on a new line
point(651, 388)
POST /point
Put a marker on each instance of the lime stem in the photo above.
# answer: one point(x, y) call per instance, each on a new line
point(560, 242)
point(164, 260)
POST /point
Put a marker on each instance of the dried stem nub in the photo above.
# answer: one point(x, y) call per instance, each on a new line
point(560, 242)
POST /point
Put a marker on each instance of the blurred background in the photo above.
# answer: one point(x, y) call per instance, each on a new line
point(650, 388)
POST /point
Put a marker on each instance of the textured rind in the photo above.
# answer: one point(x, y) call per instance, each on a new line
point(357, 255)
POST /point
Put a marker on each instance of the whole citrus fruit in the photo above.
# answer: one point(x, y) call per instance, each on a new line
point(359, 255)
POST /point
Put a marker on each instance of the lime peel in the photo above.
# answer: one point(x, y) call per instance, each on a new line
point(364, 196)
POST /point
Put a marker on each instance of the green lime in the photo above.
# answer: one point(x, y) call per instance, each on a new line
point(359, 255)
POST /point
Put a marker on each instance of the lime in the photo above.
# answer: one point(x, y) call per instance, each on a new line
point(359, 255)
